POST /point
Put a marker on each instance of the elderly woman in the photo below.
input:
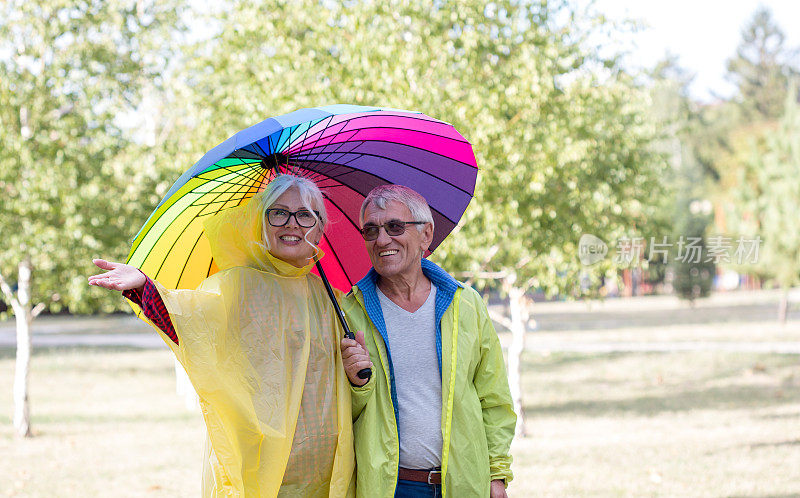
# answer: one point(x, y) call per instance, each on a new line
point(259, 342)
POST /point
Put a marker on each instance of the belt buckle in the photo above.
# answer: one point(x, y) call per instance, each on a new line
point(431, 473)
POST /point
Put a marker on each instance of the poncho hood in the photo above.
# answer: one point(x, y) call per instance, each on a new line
point(235, 237)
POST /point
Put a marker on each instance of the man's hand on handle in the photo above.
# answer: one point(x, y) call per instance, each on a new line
point(498, 489)
point(355, 358)
point(118, 277)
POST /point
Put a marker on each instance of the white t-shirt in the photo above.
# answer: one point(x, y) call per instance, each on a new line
point(412, 344)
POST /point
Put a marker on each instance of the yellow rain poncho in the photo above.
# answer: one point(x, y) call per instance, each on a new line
point(260, 343)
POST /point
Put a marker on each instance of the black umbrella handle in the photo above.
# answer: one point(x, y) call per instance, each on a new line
point(364, 373)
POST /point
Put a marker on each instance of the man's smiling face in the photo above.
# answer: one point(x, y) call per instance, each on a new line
point(400, 254)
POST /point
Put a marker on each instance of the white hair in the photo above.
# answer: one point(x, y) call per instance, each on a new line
point(309, 194)
point(381, 196)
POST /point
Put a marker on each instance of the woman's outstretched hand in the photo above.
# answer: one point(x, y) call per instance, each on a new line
point(118, 277)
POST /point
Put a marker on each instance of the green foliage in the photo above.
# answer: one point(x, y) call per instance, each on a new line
point(69, 71)
point(692, 269)
point(738, 142)
point(687, 181)
point(569, 152)
point(762, 67)
point(559, 132)
point(765, 196)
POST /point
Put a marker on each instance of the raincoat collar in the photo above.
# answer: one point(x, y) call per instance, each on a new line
point(440, 278)
point(446, 287)
point(285, 269)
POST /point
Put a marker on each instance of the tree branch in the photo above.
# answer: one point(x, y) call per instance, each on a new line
point(524, 261)
point(483, 274)
point(506, 322)
point(37, 309)
point(62, 111)
point(9, 294)
point(527, 285)
point(500, 318)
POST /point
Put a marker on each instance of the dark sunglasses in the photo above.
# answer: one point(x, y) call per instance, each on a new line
point(393, 228)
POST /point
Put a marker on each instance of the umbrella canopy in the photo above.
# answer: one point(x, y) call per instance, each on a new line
point(346, 150)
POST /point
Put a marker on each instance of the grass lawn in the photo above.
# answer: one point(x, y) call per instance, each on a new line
point(108, 423)
point(660, 424)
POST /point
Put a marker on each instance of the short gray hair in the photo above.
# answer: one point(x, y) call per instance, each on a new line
point(309, 193)
point(381, 196)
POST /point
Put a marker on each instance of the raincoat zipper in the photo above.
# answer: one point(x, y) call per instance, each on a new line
point(449, 407)
point(384, 362)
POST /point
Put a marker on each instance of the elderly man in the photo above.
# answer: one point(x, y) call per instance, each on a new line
point(436, 415)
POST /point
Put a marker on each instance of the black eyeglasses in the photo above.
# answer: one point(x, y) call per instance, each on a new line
point(393, 228)
point(279, 217)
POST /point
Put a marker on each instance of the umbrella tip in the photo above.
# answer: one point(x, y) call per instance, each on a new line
point(275, 161)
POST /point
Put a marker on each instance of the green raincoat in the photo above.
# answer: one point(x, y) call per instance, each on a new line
point(477, 415)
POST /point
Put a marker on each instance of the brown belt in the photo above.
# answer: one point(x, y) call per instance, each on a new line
point(427, 476)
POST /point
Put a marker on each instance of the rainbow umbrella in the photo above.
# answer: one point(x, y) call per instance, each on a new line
point(347, 150)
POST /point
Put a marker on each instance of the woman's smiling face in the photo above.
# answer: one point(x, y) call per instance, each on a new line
point(288, 242)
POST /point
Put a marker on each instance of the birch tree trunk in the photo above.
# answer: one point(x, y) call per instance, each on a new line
point(517, 308)
point(783, 305)
point(184, 388)
point(24, 317)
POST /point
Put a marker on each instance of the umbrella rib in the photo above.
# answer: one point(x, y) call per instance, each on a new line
point(210, 265)
point(264, 174)
point(191, 204)
point(230, 197)
point(344, 167)
point(198, 177)
point(263, 153)
point(177, 238)
point(226, 168)
point(325, 127)
point(186, 263)
point(315, 176)
point(300, 153)
point(342, 144)
point(338, 260)
point(247, 188)
point(248, 174)
point(347, 121)
point(257, 176)
point(387, 181)
point(243, 154)
point(363, 154)
point(219, 183)
point(325, 161)
point(231, 155)
point(308, 128)
point(347, 217)
point(344, 164)
point(394, 128)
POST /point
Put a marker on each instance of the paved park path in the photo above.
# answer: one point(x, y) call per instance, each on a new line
point(734, 322)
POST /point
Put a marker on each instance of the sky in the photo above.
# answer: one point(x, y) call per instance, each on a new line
point(703, 34)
